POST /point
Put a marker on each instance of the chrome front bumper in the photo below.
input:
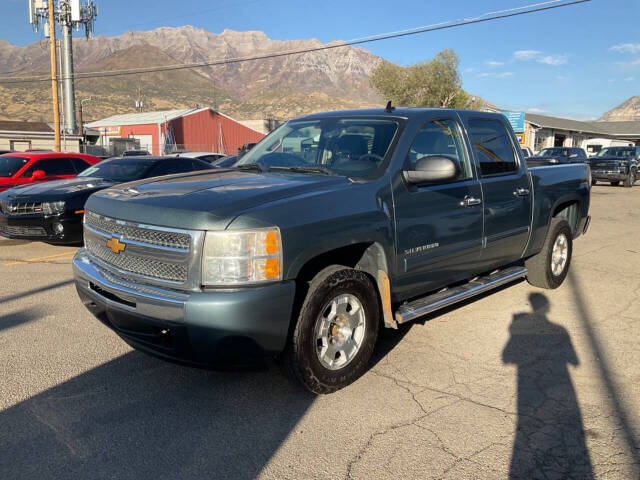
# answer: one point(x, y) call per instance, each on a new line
point(117, 294)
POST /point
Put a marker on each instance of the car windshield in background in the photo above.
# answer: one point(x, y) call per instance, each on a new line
point(351, 147)
point(9, 165)
point(554, 152)
point(612, 152)
point(121, 170)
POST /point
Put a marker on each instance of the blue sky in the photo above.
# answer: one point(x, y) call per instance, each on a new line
point(577, 61)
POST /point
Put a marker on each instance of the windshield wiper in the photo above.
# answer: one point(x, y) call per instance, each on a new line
point(305, 169)
point(252, 166)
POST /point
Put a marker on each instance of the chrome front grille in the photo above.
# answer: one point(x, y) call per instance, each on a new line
point(146, 254)
point(135, 264)
point(20, 208)
point(25, 231)
point(146, 235)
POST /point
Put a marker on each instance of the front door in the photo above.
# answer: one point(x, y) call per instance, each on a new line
point(506, 190)
point(438, 226)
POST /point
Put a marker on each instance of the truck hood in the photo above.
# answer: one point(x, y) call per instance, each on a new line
point(205, 200)
point(608, 160)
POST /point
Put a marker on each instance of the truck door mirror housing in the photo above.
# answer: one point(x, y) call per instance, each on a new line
point(38, 174)
point(432, 169)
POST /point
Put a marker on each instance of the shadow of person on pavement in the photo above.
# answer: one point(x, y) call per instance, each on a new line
point(550, 437)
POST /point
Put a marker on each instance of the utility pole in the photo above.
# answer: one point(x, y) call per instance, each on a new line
point(54, 81)
point(69, 14)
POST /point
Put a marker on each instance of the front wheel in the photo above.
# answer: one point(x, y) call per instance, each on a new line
point(630, 180)
point(614, 184)
point(336, 330)
point(550, 266)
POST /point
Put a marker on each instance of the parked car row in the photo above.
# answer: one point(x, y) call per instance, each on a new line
point(614, 165)
point(43, 194)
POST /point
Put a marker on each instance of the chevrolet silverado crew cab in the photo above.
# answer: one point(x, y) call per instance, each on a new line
point(333, 226)
point(615, 165)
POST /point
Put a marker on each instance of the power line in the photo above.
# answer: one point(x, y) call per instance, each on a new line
point(486, 17)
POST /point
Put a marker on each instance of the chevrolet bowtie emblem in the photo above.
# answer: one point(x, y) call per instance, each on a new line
point(116, 245)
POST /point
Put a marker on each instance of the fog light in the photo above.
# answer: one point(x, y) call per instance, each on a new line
point(58, 227)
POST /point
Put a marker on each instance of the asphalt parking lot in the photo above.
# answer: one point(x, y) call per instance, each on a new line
point(519, 384)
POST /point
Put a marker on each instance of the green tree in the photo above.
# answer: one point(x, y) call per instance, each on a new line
point(435, 83)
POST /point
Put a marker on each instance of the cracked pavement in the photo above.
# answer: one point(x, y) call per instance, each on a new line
point(521, 383)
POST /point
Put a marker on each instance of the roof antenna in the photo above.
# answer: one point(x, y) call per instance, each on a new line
point(389, 108)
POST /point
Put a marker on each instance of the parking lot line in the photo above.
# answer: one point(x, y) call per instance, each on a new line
point(38, 259)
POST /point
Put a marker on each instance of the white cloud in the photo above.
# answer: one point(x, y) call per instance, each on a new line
point(495, 74)
point(553, 60)
point(526, 54)
point(612, 80)
point(493, 63)
point(535, 55)
point(629, 79)
point(626, 48)
point(469, 70)
point(536, 110)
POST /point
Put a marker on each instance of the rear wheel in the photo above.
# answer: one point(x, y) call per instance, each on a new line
point(336, 330)
point(593, 181)
point(630, 180)
point(550, 266)
point(614, 184)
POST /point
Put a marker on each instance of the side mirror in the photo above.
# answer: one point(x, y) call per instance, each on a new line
point(432, 169)
point(38, 174)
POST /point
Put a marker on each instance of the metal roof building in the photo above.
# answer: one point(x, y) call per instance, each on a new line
point(196, 129)
point(543, 131)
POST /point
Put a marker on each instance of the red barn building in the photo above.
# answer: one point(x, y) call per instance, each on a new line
point(195, 129)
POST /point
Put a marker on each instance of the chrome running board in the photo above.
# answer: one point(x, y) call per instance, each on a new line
point(431, 303)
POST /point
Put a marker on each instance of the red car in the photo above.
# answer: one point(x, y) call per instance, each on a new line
point(19, 168)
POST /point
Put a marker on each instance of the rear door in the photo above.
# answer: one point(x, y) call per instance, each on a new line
point(506, 190)
point(438, 225)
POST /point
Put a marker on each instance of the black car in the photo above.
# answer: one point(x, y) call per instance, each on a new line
point(615, 165)
point(52, 212)
point(557, 155)
point(226, 162)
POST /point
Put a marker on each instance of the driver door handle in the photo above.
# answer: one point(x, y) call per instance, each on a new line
point(469, 201)
point(521, 192)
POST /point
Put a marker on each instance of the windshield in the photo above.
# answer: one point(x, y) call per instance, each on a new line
point(351, 147)
point(554, 152)
point(10, 165)
point(612, 152)
point(121, 170)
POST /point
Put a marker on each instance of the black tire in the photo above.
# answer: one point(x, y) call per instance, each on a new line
point(593, 181)
point(630, 180)
point(614, 184)
point(540, 273)
point(301, 358)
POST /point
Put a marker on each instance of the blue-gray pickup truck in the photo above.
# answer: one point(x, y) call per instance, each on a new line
point(333, 226)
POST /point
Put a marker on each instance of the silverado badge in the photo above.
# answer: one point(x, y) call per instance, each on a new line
point(116, 245)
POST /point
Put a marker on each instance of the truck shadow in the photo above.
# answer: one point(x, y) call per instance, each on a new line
point(138, 417)
point(550, 436)
point(11, 320)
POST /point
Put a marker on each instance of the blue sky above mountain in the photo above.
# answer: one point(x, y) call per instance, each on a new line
point(577, 61)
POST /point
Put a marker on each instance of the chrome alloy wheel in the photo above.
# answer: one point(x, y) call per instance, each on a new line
point(340, 331)
point(559, 255)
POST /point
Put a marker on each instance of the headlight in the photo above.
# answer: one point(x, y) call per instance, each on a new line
point(52, 208)
point(242, 257)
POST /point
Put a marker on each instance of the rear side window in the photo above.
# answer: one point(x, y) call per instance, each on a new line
point(198, 165)
point(493, 147)
point(52, 166)
point(79, 164)
point(9, 165)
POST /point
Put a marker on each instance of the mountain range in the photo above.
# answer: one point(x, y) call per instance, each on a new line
point(279, 87)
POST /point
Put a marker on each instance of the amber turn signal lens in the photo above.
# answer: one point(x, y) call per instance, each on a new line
point(272, 268)
point(271, 243)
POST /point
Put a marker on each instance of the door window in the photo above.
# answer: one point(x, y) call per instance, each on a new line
point(169, 167)
point(493, 147)
point(51, 167)
point(441, 138)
